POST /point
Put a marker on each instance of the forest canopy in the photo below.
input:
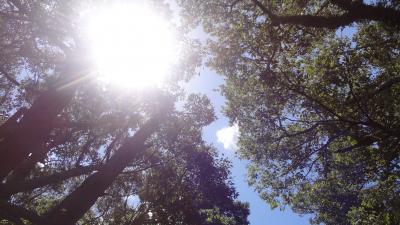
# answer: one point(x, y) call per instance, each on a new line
point(96, 127)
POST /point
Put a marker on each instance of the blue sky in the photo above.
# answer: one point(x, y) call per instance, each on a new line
point(207, 82)
point(260, 213)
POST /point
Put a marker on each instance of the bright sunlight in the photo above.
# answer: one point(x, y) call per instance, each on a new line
point(132, 45)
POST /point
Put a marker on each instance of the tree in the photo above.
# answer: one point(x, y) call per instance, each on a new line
point(314, 87)
point(79, 152)
point(37, 46)
point(175, 175)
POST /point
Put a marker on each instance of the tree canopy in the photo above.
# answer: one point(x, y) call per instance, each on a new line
point(78, 151)
point(314, 87)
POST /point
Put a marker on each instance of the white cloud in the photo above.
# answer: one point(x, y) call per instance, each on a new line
point(228, 136)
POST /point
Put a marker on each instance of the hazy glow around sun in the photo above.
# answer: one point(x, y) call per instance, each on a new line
point(131, 45)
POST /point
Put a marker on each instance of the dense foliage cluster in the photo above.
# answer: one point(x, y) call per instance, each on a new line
point(315, 89)
point(74, 150)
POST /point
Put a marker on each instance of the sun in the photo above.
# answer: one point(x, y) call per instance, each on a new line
point(132, 46)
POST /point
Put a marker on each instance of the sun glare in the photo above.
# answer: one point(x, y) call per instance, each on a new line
point(131, 45)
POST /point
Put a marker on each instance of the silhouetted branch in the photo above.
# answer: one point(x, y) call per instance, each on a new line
point(21, 186)
point(354, 12)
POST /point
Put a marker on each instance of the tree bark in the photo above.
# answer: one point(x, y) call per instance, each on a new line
point(10, 124)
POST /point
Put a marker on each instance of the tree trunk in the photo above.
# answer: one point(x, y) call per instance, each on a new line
point(31, 132)
point(75, 205)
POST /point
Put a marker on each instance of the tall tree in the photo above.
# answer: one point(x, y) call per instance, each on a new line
point(82, 152)
point(314, 87)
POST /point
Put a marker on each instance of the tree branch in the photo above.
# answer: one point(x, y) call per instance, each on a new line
point(355, 12)
point(9, 77)
point(9, 189)
point(75, 205)
point(387, 84)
